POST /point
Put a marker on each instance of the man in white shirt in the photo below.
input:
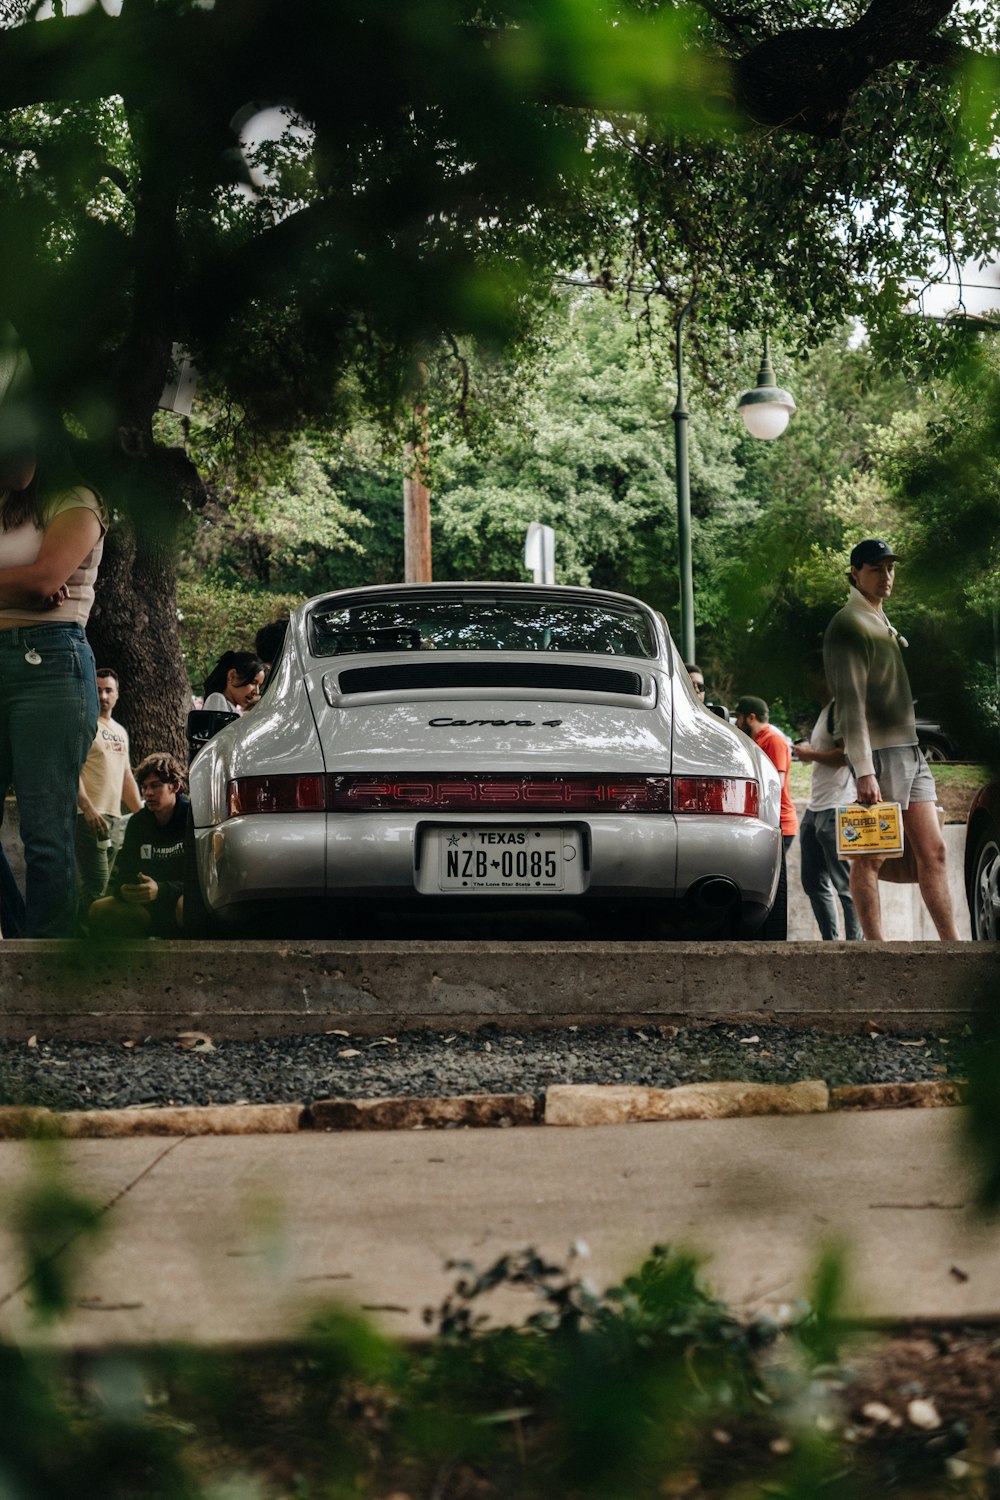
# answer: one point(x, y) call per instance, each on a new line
point(826, 878)
point(106, 781)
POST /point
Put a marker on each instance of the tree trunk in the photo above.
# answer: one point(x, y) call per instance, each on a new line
point(133, 627)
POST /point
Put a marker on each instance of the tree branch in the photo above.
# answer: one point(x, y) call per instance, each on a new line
point(804, 79)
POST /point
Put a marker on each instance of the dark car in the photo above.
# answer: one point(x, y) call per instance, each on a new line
point(935, 740)
point(982, 862)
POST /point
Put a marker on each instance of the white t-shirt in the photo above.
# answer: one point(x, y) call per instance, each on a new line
point(21, 545)
point(103, 773)
point(221, 704)
point(832, 786)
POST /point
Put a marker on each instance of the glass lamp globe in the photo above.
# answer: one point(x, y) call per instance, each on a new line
point(766, 408)
point(766, 419)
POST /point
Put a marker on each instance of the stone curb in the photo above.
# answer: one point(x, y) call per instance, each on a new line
point(562, 1104)
point(475, 1110)
point(618, 1104)
point(104, 1124)
point(930, 1093)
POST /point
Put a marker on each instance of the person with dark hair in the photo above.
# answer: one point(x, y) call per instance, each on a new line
point(234, 683)
point(753, 717)
point(826, 878)
point(106, 781)
point(697, 677)
point(52, 529)
point(147, 894)
point(269, 640)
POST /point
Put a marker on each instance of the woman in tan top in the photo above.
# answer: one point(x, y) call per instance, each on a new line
point(51, 539)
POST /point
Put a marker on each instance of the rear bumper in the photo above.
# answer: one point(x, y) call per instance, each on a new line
point(348, 857)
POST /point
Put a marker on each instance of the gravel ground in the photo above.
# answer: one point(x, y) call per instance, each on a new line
point(82, 1075)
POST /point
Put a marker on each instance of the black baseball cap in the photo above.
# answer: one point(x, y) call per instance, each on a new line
point(748, 704)
point(872, 551)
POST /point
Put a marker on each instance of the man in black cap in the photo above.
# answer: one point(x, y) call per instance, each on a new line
point(864, 665)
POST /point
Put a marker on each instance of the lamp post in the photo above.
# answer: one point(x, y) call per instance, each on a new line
point(680, 415)
point(765, 409)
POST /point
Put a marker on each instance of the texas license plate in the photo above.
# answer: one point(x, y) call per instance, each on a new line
point(507, 859)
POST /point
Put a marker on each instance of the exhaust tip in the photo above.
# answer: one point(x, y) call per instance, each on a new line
point(715, 895)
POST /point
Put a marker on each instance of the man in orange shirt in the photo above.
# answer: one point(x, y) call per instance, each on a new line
point(752, 716)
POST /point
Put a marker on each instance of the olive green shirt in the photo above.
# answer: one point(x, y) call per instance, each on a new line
point(865, 670)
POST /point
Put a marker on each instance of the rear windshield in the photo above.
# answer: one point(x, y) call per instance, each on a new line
point(480, 623)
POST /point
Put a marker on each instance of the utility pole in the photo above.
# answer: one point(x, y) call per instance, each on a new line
point(417, 497)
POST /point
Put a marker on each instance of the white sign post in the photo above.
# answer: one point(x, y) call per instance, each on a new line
point(540, 552)
point(178, 393)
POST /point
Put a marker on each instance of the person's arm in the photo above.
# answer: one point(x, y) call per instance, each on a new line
point(127, 863)
point(93, 819)
point(782, 756)
point(41, 585)
point(846, 660)
point(131, 795)
point(806, 754)
point(143, 891)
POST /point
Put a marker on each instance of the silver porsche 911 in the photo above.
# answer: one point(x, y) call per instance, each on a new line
point(502, 755)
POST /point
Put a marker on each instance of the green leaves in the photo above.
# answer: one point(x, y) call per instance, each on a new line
point(54, 1224)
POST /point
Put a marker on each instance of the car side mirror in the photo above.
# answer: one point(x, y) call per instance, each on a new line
point(720, 709)
point(202, 725)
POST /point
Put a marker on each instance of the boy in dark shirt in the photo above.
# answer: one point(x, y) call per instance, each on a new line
point(148, 883)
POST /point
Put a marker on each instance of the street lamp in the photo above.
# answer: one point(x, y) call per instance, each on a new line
point(680, 415)
point(766, 408)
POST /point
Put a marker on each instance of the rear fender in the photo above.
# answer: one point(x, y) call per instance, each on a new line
point(278, 737)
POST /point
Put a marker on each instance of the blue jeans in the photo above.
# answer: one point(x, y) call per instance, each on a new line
point(48, 719)
point(825, 876)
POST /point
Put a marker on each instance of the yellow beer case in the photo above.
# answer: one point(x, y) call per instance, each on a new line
point(876, 829)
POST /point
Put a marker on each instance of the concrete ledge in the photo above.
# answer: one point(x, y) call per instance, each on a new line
point(133, 990)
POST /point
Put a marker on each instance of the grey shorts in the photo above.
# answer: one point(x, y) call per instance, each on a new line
point(903, 775)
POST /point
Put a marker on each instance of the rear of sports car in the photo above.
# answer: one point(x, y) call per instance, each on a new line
point(436, 758)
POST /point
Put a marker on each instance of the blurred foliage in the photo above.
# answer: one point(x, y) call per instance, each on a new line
point(652, 1387)
point(982, 1132)
point(314, 201)
point(55, 1226)
point(633, 1392)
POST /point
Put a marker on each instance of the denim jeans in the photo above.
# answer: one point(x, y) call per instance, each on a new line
point(825, 876)
point(48, 719)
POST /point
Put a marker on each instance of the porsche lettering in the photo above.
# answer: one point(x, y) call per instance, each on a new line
point(492, 723)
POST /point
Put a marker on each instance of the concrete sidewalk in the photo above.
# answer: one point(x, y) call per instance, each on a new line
point(235, 1239)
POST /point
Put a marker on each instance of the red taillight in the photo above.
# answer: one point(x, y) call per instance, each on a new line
point(716, 794)
point(453, 792)
point(501, 793)
point(277, 794)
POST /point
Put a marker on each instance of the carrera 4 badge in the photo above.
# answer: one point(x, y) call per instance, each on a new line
point(493, 723)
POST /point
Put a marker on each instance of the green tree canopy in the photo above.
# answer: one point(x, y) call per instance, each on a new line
point(440, 166)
